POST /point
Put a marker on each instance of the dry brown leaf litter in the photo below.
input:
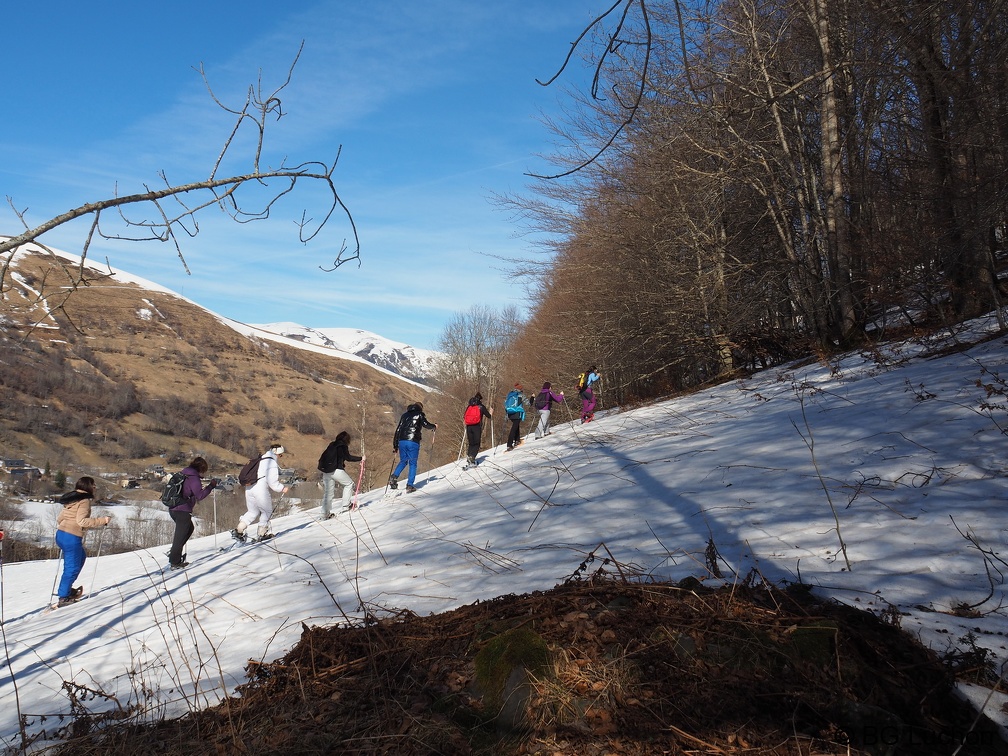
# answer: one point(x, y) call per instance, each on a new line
point(610, 668)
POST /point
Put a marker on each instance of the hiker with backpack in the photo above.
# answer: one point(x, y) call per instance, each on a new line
point(473, 418)
point(331, 464)
point(258, 499)
point(181, 509)
point(585, 381)
point(406, 443)
point(544, 403)
point(71, 522)
point(514, 406)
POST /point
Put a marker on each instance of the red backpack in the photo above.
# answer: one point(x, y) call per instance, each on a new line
point(473, 415)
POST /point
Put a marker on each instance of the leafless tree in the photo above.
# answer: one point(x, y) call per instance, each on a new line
point(474, 347)
point(746, 179)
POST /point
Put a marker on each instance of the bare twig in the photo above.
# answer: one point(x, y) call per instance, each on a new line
point(179, 217)
point(810, 443)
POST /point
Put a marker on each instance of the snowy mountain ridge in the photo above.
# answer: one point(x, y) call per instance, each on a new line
point(394, 356)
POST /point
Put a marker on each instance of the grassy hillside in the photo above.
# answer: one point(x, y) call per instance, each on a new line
point(118, 377)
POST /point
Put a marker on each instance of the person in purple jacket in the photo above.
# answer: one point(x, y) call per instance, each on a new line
point(544, 402)
point(193, 490)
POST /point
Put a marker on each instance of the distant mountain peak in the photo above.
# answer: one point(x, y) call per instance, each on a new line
point(396, 357)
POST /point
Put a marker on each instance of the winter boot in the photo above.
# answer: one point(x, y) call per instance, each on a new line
point(410, 489)
point(393, 482)
point(264, 534)
point(76, 593)
point(67, 600)
point(239, 533)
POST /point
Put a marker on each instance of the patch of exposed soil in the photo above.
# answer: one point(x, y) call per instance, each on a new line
point(591, 668)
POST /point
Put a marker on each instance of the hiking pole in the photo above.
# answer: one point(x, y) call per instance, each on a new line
point(430, 455)
point(1, 585)
point(492, 435)
point(3, 632)
point(391, 468)
point(360, 477)
point(462, 443)
point(59, 561)
point(94, 572)
point(571, 415)
point(215, 517)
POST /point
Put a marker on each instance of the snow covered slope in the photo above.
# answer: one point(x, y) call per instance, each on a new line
point(877, 479)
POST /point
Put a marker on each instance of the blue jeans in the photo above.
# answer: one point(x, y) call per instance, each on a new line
point(72, 547)
point(409, 452)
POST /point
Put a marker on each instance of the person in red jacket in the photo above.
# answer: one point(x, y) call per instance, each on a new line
point(473, 419)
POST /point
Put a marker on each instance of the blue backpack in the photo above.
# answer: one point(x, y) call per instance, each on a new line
point(513, 405)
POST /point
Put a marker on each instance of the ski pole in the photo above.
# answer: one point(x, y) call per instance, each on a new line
point(391, 468)
point(3, 633)
point(215, 517)
point(492, 436)
point(430, 454)
point(571, 415)
point(1, 584)
point(59, 561)
point(462, 443)
point(94, 572)
point(360, 477)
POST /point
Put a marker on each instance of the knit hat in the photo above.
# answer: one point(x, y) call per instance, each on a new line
point(546, 385)
point(518, 386)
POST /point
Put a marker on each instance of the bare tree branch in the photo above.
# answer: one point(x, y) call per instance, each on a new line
point(167, 221)
point(612, 47)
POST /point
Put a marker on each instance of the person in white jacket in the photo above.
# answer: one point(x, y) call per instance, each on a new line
point(258, 499)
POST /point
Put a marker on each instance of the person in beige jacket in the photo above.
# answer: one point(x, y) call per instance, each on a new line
point(73, 519)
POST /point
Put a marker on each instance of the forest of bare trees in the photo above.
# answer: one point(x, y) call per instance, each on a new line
point(753, 180)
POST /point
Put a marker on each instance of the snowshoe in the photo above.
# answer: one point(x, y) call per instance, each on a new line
point(240, 537)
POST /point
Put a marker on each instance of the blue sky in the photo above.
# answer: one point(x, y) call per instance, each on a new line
point(434, 104)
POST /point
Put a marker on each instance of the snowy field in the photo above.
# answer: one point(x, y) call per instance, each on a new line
point(879, 479)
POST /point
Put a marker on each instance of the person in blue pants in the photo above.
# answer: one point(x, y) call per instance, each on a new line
point(406, 443)
point(71, 522)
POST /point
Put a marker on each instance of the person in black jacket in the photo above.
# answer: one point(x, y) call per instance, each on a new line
point(473, 419)
point(406, 443)
point(331, 463)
